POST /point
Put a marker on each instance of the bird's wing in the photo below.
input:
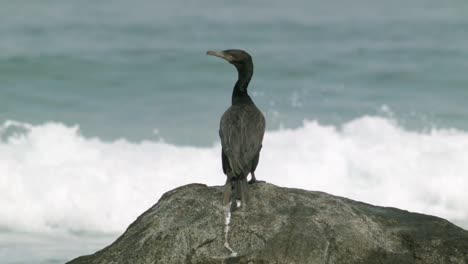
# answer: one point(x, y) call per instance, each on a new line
point(241, 132)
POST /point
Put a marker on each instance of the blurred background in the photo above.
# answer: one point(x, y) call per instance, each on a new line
point(105, 105)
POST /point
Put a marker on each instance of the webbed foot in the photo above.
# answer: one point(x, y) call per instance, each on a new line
point(253, 180)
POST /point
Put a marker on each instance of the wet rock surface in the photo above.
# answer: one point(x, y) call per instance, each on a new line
point(282, 225)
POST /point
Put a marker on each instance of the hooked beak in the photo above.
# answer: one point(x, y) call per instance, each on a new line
point(220, 54)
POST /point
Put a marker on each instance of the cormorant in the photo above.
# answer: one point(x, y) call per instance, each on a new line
point(241, 131)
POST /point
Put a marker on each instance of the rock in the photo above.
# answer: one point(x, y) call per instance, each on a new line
point(282, 225)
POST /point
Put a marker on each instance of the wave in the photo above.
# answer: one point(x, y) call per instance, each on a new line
point(53, 179)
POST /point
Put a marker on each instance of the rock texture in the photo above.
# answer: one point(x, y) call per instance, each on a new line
point(282, 225)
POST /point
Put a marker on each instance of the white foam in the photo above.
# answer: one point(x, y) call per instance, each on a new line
point(52, 179)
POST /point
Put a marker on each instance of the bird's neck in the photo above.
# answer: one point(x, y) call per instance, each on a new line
point(239, 93)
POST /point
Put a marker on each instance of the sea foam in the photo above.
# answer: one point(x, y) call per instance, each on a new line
point(52, 179)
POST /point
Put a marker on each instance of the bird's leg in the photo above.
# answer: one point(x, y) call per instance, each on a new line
point(254, 180)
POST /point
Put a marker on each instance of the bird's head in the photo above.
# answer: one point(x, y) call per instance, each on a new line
point(236, 57)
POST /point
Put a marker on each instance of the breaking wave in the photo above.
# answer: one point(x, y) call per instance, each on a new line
point(53, 179)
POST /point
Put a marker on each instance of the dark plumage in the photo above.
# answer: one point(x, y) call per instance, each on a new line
point(241, 131)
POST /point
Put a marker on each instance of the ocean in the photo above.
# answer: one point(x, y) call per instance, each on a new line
point(105, 105)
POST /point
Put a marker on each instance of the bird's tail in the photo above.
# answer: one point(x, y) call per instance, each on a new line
point(236, 189)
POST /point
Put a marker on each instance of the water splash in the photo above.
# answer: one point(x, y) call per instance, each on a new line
point(53, 179)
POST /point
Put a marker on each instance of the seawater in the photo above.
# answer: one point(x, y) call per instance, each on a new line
point(105, 105)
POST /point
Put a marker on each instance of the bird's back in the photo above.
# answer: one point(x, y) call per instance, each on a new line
point(241, 131)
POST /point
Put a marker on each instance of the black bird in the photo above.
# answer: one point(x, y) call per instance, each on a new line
point(241, 131)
